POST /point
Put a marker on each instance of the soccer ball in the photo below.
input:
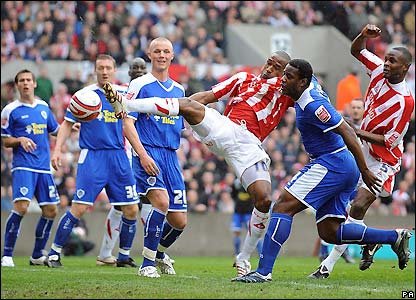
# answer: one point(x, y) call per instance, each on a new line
point(85, 105)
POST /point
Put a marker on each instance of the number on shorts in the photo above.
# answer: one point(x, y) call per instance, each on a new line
point(52, 191)
point(131, 191)
point(384, 168)
point(180, 197)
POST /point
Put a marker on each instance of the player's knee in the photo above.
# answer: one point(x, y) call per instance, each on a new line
point(21, 207)
point(130, 211)
point(327, 236)
point(49, 211)
point(262, 202)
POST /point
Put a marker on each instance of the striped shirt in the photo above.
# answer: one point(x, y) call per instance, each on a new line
point(254, 102)
point(388, 109)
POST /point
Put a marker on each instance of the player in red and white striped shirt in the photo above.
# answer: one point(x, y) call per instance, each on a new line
point(254, 109)
point(388, 108)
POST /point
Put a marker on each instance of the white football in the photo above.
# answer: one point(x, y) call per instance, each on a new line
point(85, 105)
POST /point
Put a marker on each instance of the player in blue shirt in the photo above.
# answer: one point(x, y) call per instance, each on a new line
point(137, 68)
point(25, 126)
point(160, 136)
point(326, 183)
point(102, 163)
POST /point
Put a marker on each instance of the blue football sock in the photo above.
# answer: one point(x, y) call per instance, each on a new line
point(353, 233)
point(127, 233)
point(276, 235)
point(237, 243)
point(11, 232)
point(169, 236)
point(66, 224)
point(43, 230)
point(152, 234)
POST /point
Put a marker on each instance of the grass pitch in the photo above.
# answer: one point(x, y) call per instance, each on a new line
point(204, 277)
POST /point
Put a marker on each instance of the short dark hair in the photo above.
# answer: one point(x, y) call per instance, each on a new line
point(304, 68)
point(106, 57)
point(282, 54)
point(16, 78)
point(406, 54)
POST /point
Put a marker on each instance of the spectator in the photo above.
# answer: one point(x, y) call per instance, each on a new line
point(44, 88)
point(400, 200)
point(348, 88)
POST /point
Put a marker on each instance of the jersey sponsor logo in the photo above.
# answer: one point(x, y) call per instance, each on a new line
point(44, 114)
point(24, 117)
point(35, 128)
point(322, 114)
point(24, 190)
point(151, 180)
point(80, 193)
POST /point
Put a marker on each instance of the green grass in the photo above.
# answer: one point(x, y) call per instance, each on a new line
point(203, 277)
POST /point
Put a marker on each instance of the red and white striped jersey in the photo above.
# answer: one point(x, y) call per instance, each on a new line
point(253, 101)
point(388, 109)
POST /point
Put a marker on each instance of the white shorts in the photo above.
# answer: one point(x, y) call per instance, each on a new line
point(382, 170)
point(240, 148)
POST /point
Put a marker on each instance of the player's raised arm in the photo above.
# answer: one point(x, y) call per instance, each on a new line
point(358, 44)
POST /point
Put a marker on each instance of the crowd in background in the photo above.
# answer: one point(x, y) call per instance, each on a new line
point(80, 30)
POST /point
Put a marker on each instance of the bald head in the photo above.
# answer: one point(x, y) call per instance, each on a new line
point(161, 55)
point(137, 68)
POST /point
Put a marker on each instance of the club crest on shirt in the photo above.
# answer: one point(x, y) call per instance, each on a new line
point(322, 114)
point(80, 193)
point(44, 114)
point(24, 190)
point(151, 180)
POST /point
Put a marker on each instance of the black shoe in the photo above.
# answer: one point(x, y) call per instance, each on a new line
point(367, 256)
point(321, 273)
point(347, 257)
point(53, 261)
point(401, 247)
point(129, 263)
point(253, 277)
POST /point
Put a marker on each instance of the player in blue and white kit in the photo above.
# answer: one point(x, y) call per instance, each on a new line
point(25, 126)
point(326, 183)
point(161, 138)
point(103, 163)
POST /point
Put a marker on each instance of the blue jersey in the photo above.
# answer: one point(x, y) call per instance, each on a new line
point(34, 121)
point(104, 132)
point(154, 130)
point(315, 119)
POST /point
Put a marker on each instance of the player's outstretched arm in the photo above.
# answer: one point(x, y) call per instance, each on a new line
point(63, 133)
point(204, 98)
point(358, 44)
point(350, 139)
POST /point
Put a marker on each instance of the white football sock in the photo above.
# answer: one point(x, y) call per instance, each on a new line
point(111, 232)
point(338, 250)
point(145, 211)
point(257, 230)
point(154, 105)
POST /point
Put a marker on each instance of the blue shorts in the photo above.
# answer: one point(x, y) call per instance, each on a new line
point(109, 169)
point(170, 177)
point(239, 221)
point(326, 184)
point(27, 184)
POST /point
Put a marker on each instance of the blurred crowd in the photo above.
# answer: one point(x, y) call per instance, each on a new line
point(80, 30)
